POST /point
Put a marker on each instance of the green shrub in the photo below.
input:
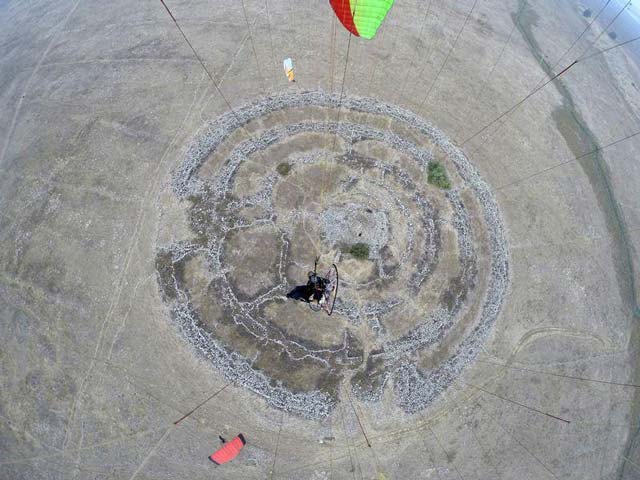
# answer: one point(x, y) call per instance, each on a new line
point(438, 176)
point(283, 169)
point(360, 251)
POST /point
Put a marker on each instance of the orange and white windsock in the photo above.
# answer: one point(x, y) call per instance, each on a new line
point(288, 69)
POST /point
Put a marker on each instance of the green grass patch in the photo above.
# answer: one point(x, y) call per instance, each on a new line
point(359, 251)
point(438, 176)
point(283, 169)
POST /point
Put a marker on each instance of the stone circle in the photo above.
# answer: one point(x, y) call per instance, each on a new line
point(270, 186)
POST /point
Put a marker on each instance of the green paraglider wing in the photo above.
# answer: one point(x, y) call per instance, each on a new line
point(361, 17)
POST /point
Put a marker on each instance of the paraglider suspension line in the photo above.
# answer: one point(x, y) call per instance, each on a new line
point(204, 67)
point(453, 46)
point(515, 403)
point(560, 375)
point(275, 454)
point(344, 77)
point(253, 46)
point(355, 412)
point(201, 404)
point(574, 159)
point(507, 112)
point(540, 87)
point(335, 293)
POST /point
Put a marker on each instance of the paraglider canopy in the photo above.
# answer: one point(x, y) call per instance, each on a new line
point(361, 17)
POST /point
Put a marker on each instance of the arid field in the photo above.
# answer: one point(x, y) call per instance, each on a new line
point(157, 206)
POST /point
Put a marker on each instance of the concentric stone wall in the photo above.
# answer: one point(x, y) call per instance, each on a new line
point(269, 187)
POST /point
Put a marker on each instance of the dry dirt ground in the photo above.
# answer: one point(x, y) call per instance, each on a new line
point(149, 235)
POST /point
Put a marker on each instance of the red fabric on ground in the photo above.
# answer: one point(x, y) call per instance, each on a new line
point(228, 451)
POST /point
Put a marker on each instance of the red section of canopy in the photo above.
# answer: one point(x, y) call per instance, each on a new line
point(228, 451)
point(343, 12)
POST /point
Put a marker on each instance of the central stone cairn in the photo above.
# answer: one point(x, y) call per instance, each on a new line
point(276, 183)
